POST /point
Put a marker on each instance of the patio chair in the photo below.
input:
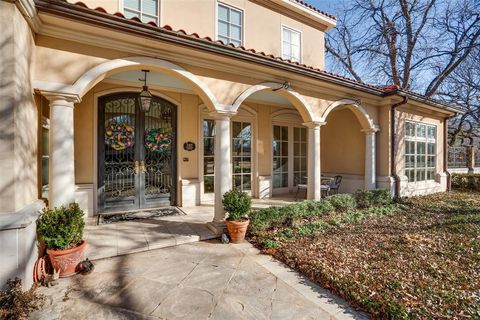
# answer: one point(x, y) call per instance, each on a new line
point(301, 186)
point(335, 185)
point(325, 190)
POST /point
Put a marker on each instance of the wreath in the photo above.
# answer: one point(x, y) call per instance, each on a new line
point(159, 140)
point(119, 135)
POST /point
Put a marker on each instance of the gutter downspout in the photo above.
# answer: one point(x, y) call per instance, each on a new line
point(445, 152)
point(393, 166)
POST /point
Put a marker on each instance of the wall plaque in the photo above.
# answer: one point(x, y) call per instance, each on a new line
point(189, 146)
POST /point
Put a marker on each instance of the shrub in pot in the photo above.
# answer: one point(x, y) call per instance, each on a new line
point(62, 231)
point(237, 204)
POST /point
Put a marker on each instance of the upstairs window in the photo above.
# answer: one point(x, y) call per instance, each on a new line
point(291, 44)
point(230, 25)
point(145, 10)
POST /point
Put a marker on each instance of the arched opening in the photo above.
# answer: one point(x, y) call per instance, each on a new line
point(171, 85)
point(344, 147)
point(282, 137)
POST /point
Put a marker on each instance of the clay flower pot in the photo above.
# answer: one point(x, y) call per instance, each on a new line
point(67, 260)
point(237, 230)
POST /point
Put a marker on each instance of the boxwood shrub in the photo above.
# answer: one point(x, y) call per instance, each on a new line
point(61, 228)
point(369, 198)
point(466, 181)
point(342, 202)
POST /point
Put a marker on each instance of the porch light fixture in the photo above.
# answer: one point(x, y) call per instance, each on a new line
point(285, 86)
point(145, 97)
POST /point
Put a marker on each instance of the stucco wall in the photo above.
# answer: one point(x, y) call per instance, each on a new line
point(18, 112)
point(342, 144)
point(262, 26)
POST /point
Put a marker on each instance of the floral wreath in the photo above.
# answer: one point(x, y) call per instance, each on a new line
point(119, 135)
point(159, 140)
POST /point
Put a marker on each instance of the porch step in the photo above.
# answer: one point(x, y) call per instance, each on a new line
point(116, 239)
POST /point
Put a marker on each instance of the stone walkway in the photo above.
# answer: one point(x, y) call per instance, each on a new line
point(203, 280)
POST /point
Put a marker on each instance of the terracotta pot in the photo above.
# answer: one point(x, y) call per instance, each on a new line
point(237, 230)
point(67, 260)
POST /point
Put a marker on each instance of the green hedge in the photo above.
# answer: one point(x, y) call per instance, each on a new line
point(464, 181)
point(299, 213)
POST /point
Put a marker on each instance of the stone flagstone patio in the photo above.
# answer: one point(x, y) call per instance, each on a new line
point(202, 280)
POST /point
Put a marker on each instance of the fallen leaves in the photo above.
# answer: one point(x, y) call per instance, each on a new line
point(422, 262)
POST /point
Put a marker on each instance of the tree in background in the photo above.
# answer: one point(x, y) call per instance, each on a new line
point(427, 46)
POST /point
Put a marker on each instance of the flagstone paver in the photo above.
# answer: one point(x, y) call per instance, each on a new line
point(202, 280)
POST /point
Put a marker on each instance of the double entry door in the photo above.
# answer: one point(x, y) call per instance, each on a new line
point(136, 153)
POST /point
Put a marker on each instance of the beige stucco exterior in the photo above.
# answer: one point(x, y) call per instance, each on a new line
point(200, 17)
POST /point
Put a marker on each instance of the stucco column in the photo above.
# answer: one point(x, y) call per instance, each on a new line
point(61, 186)
point(223, 161)
point(370, 159)
point(313, 160)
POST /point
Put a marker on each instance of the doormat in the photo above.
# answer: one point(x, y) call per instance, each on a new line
point(140, 214)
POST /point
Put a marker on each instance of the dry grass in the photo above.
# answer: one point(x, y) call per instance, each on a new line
point(419, 262)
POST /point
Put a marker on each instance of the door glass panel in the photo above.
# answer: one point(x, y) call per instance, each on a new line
point(159, 144)
point(119, 144)
point(299, 155)
point(241, 151)
point(280, 156)
point(208, 155)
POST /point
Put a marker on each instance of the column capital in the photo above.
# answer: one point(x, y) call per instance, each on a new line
point(314, 124)
point(60, 96)
point(222, 114)
point(373, 130)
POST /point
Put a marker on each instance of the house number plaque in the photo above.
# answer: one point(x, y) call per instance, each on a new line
point(189, 146)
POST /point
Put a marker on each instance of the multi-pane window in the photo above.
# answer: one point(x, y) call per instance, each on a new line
point(299, 155)
point(145, 10)
point(280, 156)
point(291, 44)
point(241, 155)
point(230, 25)
point(420, 150)
point(208, 155)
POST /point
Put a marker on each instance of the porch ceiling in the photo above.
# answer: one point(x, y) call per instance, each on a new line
point(153, 79)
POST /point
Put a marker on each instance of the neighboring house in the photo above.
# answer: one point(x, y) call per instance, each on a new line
point(241, 99)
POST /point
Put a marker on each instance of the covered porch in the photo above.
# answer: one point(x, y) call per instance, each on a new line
point(264, 142)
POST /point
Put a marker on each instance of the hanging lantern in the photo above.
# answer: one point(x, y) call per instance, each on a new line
point(145, 97)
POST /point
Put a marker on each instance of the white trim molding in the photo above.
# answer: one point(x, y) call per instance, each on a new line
point(357, 108)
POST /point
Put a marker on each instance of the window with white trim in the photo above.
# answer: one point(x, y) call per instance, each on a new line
point(291, 44)
point(230, 24)
point(420, 151)
point(145, 10)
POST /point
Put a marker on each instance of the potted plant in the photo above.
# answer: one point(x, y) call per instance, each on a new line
point(237, 204)
point(62, 231)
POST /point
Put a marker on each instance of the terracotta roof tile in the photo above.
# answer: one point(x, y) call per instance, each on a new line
point(309, 6)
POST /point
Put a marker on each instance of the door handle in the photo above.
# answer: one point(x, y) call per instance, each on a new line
point(137, 168)
point(142, 165)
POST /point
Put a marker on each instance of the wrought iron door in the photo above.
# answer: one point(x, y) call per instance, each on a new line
point(136, 153)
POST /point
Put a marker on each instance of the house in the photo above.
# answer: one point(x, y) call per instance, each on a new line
point(234, 94)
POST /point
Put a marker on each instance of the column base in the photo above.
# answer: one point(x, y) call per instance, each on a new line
point(217, 227)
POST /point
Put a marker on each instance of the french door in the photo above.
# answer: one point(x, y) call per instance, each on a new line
point(136, 153)
point(289, 158)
